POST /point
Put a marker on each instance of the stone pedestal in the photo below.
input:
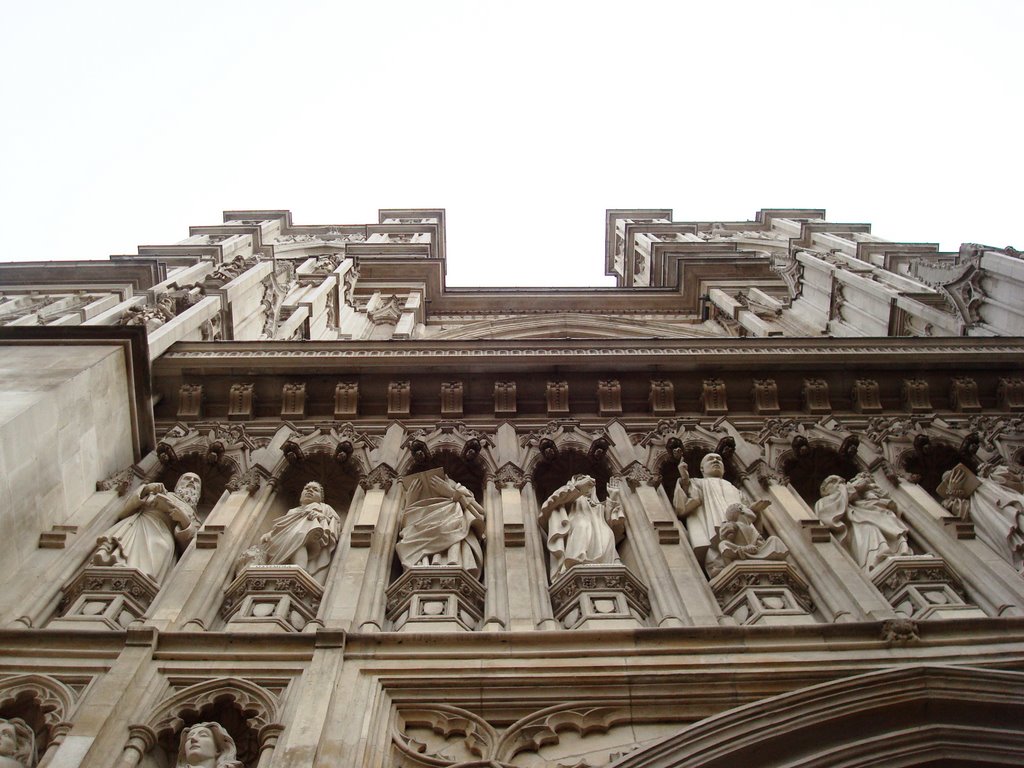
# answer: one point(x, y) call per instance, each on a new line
point(763, 592)
point(435, 599)
point(105, 597)
point(599, 597)
point(922, 587)
point(271, 598)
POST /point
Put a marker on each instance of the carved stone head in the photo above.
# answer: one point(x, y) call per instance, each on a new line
point(712, 465)
point(206, 744)
point(831, 484)
point(312, 493)
point(17, 741)
point(189, 488)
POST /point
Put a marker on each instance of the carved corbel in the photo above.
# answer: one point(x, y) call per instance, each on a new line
point(726, 447)
point(241, 401)
point(343, 452)
point(346, 399)
point(399, 398)
point(815, 396)
point(250, 480)
point(1010, 394)
point(765, 394)
point(557, 397)
point(609, 397)
point(504, 398)
point(510, 474)
point(662, 397)
point(865, 396)
point(915, 397)
point(190, 401)
point(712, 398)
point(451, 398)
point(166, 453)
point(963, 394)
point(598, 451)
point(293, 401)
point(380, 477)
point(293, 452)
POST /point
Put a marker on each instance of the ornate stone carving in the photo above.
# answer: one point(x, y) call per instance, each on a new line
point(636, 474)
point(662, 397)
point(399, 397)
point(441, 525)
point(293, 401)
point(765, 394)
point(922, 588)
point(241, 399)
point(17, 744)
point(815, 396)
point(207, 745)
point(1010, 394)
point(899, 632)
point(865, 396)
point(381, 476)
point(190, 401)
point(504, 398)
point(435, 598)
point(963, 394)
point(105, 597)
point(557, 397)
point(995, 504)
point(451, 398)
point(150, 317)
point(738, 539)
point(120, 481)
point(862, 519)
point(712, 397)
point(346, 399)
point(594, 596)
point(251, 480)
point(609, 397)
point(580, 528)
point(915, 397)
point(510, 474)
point(387, 310)
point(262, 598)
point(305, 536)
point(768, 593)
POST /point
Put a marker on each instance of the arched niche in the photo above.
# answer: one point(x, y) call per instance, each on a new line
point(339, 480)
point(923, 716)
point(930, 459)
point(552, 473)
point(215, 472)
point(470, 474)
point(42, 702)
point(693, 454)
point(809, 463)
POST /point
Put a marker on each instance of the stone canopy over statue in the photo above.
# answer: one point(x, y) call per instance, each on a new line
point(442, 524)
point(994, 503)
point(580, 528)
point(305, 536)
point(862, 519)
point(704, 504)
point(153, 524)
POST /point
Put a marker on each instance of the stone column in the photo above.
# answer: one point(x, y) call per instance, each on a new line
point(370, 609)
point(667, 609)
point(537, 572)
point(840, 590)
point(510, 481)
point(495, 577)
point(346, 572)
point(59, 731)
point(986, 585)
point(141, 739)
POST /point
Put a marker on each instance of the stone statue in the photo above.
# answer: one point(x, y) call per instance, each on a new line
point(581, 529)
point(304, 536)
point(150, 317)
point(702, 502)
point(17, 744)
point(862, 519)
point(207, 745)
point(151, 526)
point(995, 504)
point(442, 524)
point(738, 539)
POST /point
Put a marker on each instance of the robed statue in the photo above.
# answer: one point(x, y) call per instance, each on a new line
point(862, 519)
point(581, 529)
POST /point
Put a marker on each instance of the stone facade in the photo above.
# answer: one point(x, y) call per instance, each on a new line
point(760, 503)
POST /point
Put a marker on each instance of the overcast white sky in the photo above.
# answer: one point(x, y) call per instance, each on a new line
point(124, 123)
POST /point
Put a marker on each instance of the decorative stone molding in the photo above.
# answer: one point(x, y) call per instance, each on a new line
point(57, 536)
point(346, 399)
point(271, 598)
point(382, 476)
point(636, 474)
point(922, 587)
point(599, 596)
point(399, 397)
point(915, 397)
point(510, 474)
point(712, 398)
point(662, 397)
point(190, 401)
point(609, 397)
point(763, 592)
point(241, 401)
point(451, 398)
point(504, 398)
point(1010, 394)
point(765, 394)
point(963, 394)
point(105, 597)
point(815, 396)
point(557, 393)
point(387, 310)
point(250, 480)
point(865, 396)
point(435, 599)
point(899, 632)
point(293, 401)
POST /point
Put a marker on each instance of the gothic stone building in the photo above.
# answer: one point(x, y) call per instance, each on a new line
point(283, 481)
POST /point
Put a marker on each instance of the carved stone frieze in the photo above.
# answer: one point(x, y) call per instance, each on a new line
point(435, 599)
point(636, 474)
point(250, 480)
point(593, 596)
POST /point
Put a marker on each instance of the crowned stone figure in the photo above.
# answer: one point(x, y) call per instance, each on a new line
point(581, 529)
point(153, 524)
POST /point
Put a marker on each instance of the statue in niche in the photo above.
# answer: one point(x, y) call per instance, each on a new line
point(442, 524)
point(152, 525)
point(702, 503)
point(305, 536)
point(207, 745)
point(995, 504)
point(738, 539)
point(17, 744)
point(581, 529)
point(862, 519)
